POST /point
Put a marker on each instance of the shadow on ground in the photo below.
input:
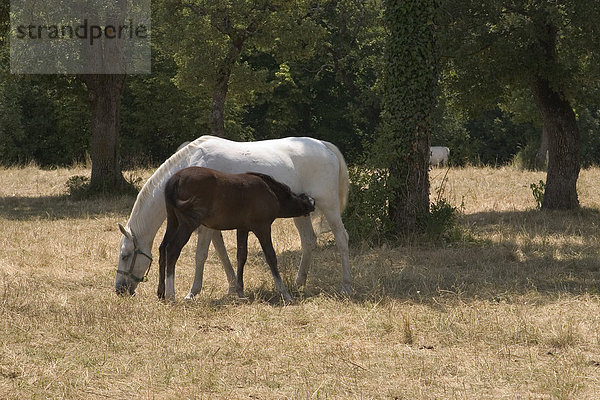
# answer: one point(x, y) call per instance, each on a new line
point(500, 256)
point(62, 207)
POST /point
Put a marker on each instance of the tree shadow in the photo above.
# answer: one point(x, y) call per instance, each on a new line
point(499, 257)
point(62, 207)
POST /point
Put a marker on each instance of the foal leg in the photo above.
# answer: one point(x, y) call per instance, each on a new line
point(162, 262)
point(264, 237)
point(242, 255)
point(308, 241)
point(172, 251)
point(172, 224)
point(204, 236)
point(217, 240)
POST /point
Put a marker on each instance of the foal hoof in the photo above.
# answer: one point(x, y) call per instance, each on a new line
point(190, 296)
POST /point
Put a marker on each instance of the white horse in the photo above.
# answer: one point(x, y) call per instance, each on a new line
point(306, 165)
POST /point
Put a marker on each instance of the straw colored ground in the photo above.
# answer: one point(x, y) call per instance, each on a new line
point(509, 311)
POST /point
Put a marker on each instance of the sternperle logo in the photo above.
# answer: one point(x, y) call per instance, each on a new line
point(84, 31)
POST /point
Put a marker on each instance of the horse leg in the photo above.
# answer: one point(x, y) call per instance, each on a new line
point(217, 240)
point(308, 241)
point(204, 236)
point(242, 255)
point(172, 251)
point(264, 237)
point(334, 219)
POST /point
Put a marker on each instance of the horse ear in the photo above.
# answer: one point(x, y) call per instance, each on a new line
point(124, 231)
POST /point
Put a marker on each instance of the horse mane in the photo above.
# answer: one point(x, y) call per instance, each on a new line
point(158, 180)
point(281, 190)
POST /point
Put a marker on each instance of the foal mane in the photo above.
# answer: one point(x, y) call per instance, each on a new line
point(281, 190)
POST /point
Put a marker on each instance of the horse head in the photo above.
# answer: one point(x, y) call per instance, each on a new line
point(134, 263)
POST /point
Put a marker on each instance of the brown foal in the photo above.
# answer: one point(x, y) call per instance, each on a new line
point(247, 202)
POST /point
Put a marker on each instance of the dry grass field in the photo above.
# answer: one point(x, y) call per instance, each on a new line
point(508, 310)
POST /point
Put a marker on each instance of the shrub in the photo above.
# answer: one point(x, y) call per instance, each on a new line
point(79, 188)
point(441, 220)
point(526, 158)
point(538, 192)
point(366, 215)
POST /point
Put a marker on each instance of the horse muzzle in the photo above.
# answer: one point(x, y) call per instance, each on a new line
point(125, 287)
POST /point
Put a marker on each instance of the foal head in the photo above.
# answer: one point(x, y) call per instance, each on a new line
point(297, 205)
point(290, 204)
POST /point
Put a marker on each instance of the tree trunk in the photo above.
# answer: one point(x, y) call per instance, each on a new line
point(409, 100)
point(541, 157)
point(563, 147)
point(105, 93)
point(219, 94)
point(411, 199)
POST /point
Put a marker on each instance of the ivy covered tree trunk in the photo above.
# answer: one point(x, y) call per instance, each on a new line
point(563, 147)
point(409, 101)
point(105, 93)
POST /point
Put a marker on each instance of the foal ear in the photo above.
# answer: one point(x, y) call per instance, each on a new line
point(124, 231)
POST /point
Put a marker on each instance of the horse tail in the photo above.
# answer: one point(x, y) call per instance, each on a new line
point(343, 180)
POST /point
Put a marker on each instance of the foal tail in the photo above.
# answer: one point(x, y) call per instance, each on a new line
point(184, 210)
point(343, 180)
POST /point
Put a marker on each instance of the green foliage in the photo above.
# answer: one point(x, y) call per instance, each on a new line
point(77, 186)
point(317, 70)
point(501, 40)
point(494, 49)
point(526, 157)
point(156, 117)
point(333, 93)
point(589, 129)
point(497, 138)
point(11, 127)
point(538, 189)
point(37, 124)
point(216, 42)
point(441, 219)
point(366, 217)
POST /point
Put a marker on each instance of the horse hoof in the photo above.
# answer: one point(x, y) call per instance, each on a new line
point(347, 291)
point(300, 282)
point(170, 299)
point(189, 296)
